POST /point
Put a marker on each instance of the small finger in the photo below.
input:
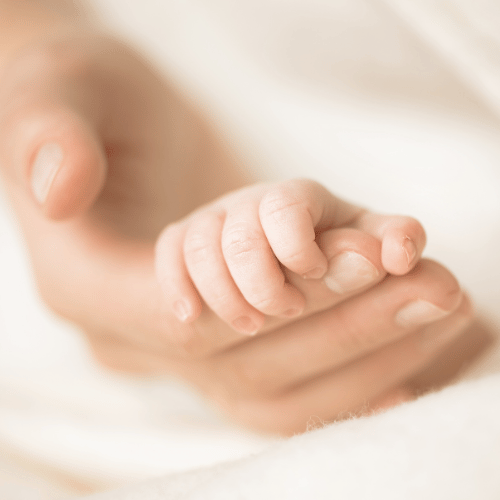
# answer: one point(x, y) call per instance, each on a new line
point(291, 214)
point(254, 267)
point(403, 239)
point(210, 274)
point(173, 276)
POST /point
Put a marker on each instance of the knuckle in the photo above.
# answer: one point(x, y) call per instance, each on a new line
point(267, 295)
point(238, 242)
point(197, 247)
point(223, 301)
point(278, 202)
point(264, 301)
point(287, 195)
point(297, 259)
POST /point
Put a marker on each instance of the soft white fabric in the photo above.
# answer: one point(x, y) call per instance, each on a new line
point(392, 103)
point(444, 446)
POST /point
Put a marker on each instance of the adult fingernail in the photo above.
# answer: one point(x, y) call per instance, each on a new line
point(410, 250)
point(419, 312)
point(245, 325)
point(47, 163)
point(349, 271)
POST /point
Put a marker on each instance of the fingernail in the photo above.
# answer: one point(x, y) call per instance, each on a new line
point(45, 167)
point(245, 325)
point(349, 271)
point(315, 274)
point(419, 312)
point(182, 310)
point(410, 250)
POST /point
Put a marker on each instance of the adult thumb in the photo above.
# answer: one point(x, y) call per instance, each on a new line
point(60, 160)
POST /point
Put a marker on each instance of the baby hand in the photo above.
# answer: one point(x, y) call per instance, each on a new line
point(242, 253)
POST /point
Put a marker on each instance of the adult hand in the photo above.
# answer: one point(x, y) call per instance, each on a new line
point(99, 154)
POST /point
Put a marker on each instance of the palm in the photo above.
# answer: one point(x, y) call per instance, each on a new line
point(159, 162)
point(163, 159)
point(153, 145)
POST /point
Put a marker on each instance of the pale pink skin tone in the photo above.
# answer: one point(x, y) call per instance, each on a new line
point(120, 238)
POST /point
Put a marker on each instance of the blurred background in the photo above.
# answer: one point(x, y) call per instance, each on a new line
point(393, 104)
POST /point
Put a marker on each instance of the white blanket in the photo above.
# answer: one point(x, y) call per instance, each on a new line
point(435, 448)
point(392, 103)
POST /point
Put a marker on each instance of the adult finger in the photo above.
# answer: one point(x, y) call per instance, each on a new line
point(327, 340)
point(50, 147)
point(349, 390)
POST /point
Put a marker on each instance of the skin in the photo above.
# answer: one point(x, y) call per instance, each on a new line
point(113, 242)
point(244, 252)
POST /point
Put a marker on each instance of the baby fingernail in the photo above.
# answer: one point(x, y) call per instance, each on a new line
point(349, 271)
point(410, 250)
point(419, 312)
point(47, 163)
point(182, 310)
point(314, 274)
point(245, 325)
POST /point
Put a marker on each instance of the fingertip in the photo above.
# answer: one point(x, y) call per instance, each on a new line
point(315, 273)
point(173, 276)
point(248, 325)
point(181, 297)
point(295, 302)
point(288, 214)
point(402, 247)
point(66, 167)
point(186, 310)
point(399, 254)
point(314, 263)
